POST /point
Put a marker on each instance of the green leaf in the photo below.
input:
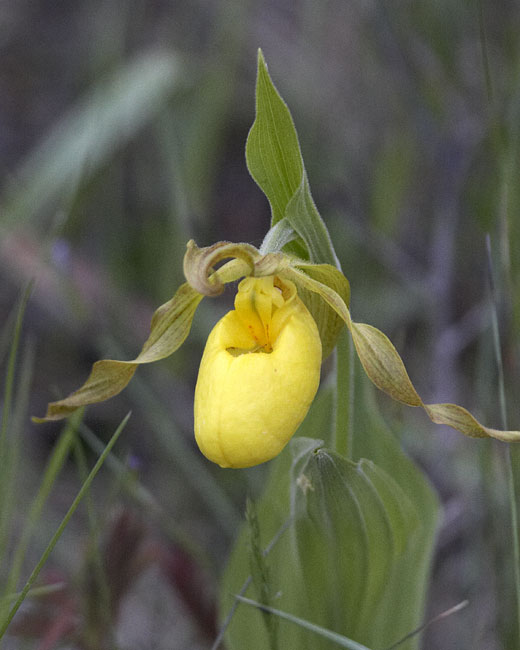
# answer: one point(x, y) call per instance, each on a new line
point(247, 629)
point(273, 152)
point(304, 217)
point(329, 323)
point(59, 531)
point(328, 498)
point(386, 369)
point(401, 608)
point(353, 522)
point(170, 326)
point(354, 527)
point(275, 162)
point(260, 571)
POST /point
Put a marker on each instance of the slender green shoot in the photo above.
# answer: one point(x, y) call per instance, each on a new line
point(37, 592)
point(13, 451)
point(339, 639)
point(141, 495)
point(485, 51)
point(6, 333)
point(435, 619)
point(6, 414)
point(50, 547)
point(247, 582)
point(513, 498)
point(94, 558)
point(53, 468)
point(260, 572)
point(344, 395)
point(121, 471)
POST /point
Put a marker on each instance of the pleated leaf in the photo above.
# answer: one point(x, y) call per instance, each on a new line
point(354, 529)
point(401, 606)
point(352, 526)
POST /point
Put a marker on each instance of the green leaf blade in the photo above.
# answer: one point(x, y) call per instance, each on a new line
point(303, 215)
point(357, 530)
point(273, 153)
point(340, 640)
point(275, 162)
point(170, 326)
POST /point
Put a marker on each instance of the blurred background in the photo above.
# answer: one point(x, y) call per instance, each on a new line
point(122, 135)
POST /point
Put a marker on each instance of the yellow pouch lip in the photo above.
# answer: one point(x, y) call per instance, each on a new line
point(248, 406)
point(262, 305)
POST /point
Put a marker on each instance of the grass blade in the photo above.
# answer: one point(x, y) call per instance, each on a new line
point(339, 639)
point(13, 470)
point(50, 547)
point(54, 466)
point(247, 582)
point(6, 414)
point(512, 480)
point(436, 619)
point(35, 593)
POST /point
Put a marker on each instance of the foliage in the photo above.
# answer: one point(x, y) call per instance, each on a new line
point(412, 149)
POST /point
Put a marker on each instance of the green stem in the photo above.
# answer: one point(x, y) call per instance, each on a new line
point(6, 413)
point(50, 547)
point(344, 395)
point(338, 639)
point(53, 468)
point(99, 620)
point(247, 582)
point(511, 482)
point(141, 495)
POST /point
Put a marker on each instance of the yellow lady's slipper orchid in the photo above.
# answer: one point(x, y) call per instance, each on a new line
point(258, 376)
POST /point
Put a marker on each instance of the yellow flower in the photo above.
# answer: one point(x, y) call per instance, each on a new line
point(258, 376)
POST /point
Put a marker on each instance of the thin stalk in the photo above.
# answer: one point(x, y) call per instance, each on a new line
point(435, 619)
point(6, 333)
point(94, 556)
point(53, 468)
point(126, 476)
point(6, 413)
point(245, 586)
point(260, 573)
point(485, 51)
point(344, 395)
point(13, 450)
point(37, 592)
point(511, 483)
point(141, 495)
point(50, 547)
point(338, 639)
